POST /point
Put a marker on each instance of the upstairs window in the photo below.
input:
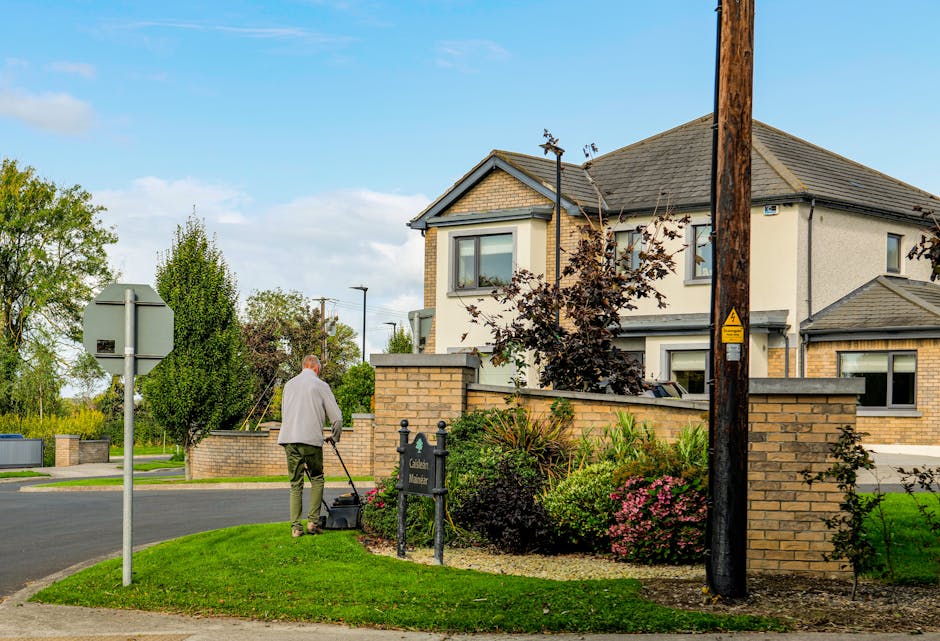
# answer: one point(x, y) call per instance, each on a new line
point(890, 377)
point(630, 242)
point(483, 261)
point(893, 254)
point(701, 268)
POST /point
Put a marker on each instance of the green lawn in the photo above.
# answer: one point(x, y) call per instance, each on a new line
point(916, 552)
point(24, 474)
point(145, 450)
point(260, 572)
point(155, 465)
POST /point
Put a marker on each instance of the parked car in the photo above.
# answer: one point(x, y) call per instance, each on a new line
point(664, 389)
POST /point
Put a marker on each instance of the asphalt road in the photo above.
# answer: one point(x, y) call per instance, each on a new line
point(45, 532)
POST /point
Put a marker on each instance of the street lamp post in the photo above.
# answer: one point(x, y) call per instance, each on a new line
point(363, 289)
point(551, 145)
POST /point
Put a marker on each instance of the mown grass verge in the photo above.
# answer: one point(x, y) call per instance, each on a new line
point(259, 571)
point(23, 474)
point(914, 549)
point(177, 479)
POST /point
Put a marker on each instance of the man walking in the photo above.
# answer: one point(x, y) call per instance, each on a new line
point(306, 404)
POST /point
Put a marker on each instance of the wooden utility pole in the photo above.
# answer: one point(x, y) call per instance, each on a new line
point(731, 225)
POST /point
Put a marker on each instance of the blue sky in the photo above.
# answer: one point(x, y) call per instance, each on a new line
point(307, 133)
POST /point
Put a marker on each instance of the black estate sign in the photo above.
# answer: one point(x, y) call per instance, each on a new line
point(422, 470)
point(419, 467)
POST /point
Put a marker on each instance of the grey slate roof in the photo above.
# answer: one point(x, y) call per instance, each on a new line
point(783, 167)
point(674, 167)
point(886, 304)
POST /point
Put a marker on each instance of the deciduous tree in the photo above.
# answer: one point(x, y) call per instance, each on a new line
point(281, 328)
point(52, 258)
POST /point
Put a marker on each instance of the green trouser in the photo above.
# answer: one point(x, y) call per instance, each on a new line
point(303, 458)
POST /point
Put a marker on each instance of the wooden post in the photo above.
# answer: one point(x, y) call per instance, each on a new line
point(727, 561)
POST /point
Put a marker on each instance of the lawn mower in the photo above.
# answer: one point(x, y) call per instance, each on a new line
point(346, 511)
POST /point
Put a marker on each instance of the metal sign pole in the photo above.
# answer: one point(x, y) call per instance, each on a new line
point(130, 333)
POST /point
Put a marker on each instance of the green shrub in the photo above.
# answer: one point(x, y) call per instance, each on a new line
point(581, 508)
point(354, 394)
point(503, 509)
point(545, 439)
point(83, 422)
point(659, 521)
point(380, 514)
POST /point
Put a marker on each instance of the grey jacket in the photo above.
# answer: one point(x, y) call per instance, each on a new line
point(306, 405)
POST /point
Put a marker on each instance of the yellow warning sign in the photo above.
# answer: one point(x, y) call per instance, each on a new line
point(732, 331)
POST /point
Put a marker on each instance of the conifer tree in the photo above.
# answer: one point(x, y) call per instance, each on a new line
point(205, 382)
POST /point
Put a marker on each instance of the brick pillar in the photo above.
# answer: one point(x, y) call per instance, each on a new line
point(423, 388)
point(67, 450)
point(793, 423)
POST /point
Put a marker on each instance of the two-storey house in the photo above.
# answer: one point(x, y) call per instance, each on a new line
point(832, 292)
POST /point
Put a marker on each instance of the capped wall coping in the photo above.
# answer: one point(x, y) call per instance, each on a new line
point(425, 360)
point(243, 433)
point(68, 436)
point(807, 386)
point(363, 415)
point(593, 396)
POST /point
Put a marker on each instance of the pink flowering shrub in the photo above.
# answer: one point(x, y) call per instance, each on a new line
point(659, 521)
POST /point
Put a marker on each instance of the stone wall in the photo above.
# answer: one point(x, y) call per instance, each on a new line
point(231, 453)
point(70, 449)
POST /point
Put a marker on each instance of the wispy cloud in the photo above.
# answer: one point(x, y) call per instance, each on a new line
point(56, 112)
point(77, 68)
point(261, 33)
point(319, 244)
point(467, 55)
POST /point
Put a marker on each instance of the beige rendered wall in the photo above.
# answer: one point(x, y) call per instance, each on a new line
point(849, 250)
point(451, 317)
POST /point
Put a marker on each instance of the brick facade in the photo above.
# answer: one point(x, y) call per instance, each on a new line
point(498, 190)
point(917, 427)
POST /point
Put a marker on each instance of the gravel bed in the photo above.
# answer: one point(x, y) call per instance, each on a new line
point(564, 567)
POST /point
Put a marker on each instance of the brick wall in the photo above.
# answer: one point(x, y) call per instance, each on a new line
point(66, 449)
point(593, 411)
point(918, 427)
point(793, 423)
point(94, 451)
point(229, 453)
point(70, 449)
point(776, 365)
point(423, 388)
